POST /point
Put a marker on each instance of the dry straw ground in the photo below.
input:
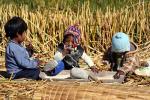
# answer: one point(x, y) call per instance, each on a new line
point(71, 91)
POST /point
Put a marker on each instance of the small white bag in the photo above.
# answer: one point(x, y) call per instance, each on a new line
point(143, 71)
point(50, 65)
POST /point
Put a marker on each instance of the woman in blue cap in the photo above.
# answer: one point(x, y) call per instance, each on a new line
point(122, 55)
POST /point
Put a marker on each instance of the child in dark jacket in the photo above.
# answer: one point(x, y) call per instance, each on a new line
point(18, 62)
point(70, 51)
point(68, 54)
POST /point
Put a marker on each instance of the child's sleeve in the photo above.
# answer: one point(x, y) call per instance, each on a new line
point(24, 61)
point(58, 56)
point(87, 59)
point(130, 64)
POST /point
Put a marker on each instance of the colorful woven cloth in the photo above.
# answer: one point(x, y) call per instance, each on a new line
point(75, 32)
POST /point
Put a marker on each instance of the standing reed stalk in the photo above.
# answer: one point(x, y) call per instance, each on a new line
point(46, 27)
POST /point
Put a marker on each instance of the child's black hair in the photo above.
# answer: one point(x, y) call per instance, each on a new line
point(14, 26)
point(66, 37)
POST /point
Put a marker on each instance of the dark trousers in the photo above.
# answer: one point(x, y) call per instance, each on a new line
point(28, 73)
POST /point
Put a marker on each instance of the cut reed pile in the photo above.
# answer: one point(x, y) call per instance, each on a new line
point(46, 27)
point(71, 91)
point(92, 91)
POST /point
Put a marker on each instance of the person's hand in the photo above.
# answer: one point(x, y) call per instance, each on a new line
point(66, 50)
point(117, 75)
point(40, 62)
point(94, 69)
point(29, 46)
point(30, 49)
